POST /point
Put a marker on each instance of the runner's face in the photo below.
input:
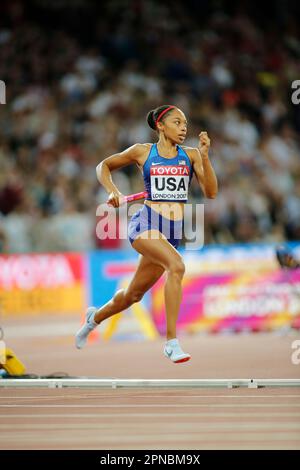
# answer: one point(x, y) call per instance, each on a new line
point(174, 126)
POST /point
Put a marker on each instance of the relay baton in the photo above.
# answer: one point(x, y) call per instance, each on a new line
point(134, 197)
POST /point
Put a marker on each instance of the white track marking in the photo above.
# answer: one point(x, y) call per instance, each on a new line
point(145, 396)
point(237, 415)
point(176, 405)
point(191, 438)
point(140, 427)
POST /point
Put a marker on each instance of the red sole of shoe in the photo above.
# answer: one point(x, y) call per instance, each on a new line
point(182, 360)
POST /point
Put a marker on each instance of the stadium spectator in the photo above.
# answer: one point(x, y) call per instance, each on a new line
point(80, 93)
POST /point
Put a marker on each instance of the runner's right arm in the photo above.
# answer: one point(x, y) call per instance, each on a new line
point(115, 162)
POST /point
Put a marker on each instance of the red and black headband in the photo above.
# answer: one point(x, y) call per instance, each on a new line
point(162, 113)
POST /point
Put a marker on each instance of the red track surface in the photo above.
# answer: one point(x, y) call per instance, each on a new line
point(154, 418)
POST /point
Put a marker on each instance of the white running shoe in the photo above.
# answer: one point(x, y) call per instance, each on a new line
point(173, 351)
point(88, 326)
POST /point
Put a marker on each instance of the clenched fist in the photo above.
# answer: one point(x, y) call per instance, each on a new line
point(204, 143)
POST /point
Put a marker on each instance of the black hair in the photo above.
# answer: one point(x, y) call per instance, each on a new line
point(154, 113)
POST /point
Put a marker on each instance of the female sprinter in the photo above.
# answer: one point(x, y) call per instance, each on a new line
point(155, 230)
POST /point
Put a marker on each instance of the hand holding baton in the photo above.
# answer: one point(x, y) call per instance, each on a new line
point(130, 198)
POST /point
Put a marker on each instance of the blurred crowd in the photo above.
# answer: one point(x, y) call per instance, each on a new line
point(77, 94)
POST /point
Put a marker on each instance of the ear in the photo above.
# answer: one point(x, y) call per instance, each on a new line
point(160, 126)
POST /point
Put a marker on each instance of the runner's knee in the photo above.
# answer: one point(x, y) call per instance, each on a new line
point(132, 297)
point(177, 268)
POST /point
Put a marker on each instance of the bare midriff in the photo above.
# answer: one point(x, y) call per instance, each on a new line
point(169, 210)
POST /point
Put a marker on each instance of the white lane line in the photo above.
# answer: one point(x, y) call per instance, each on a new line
point(236, 414)
point(144, 396)
point(178, 405)
point(183, 426)
point(150, 438)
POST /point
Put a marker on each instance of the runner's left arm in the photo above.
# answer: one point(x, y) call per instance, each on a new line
point(203, 169)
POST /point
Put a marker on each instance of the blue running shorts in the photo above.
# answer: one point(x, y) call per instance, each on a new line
point(148, 219)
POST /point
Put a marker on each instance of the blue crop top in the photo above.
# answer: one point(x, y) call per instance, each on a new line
point(167, 179)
